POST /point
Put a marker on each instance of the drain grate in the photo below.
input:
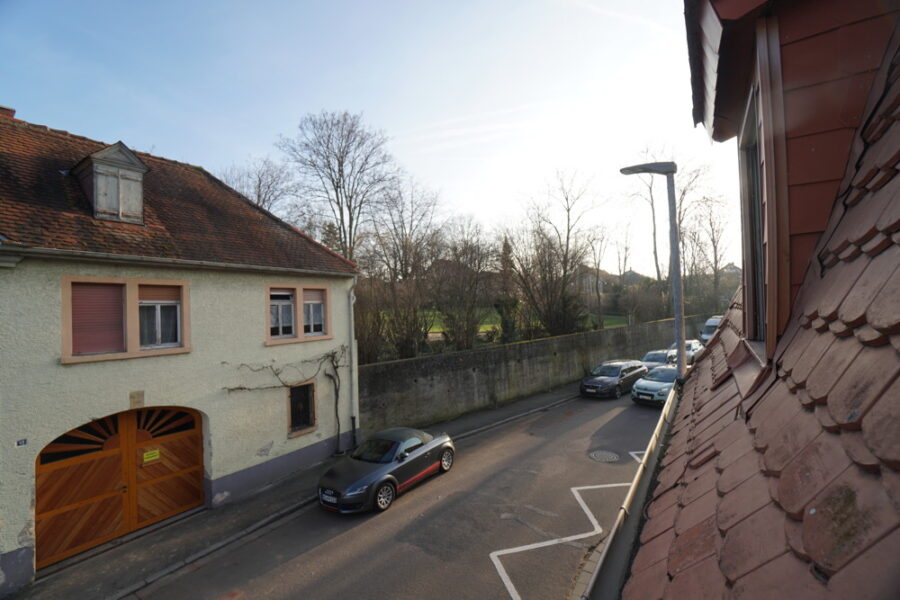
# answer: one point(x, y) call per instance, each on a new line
point(603, 456)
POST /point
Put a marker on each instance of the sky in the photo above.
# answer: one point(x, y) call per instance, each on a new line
point(482, 101)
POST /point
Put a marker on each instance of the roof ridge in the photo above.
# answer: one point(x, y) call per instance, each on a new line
point(67, 134)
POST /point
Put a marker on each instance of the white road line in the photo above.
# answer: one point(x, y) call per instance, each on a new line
point(637, 455)
point(495, 556)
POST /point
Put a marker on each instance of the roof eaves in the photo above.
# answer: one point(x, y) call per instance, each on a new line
point(53, 253)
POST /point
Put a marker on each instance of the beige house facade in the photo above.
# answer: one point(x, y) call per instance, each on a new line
point(181, 355)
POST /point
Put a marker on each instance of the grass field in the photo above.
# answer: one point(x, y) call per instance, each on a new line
point(493, 320)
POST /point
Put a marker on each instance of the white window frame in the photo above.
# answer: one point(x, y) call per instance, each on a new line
point(158, 314)
point(309, 322)
point(281, 302)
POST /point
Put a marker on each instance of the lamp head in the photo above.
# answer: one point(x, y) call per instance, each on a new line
point(656, 168)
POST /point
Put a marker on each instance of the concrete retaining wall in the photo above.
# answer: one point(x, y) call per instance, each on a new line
point(421, 391)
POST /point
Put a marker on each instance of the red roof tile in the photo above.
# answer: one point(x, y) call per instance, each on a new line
point(693, 545)
point(188, 213)
point(753, 542)
point(743, 501)
point(846, 518)
point(785, 577)
point(873, 575)
point(881, 424)
point(703, 581)
point(813, 469)
point(649, 584)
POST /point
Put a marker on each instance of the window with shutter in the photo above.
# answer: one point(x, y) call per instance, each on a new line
point(98, 318)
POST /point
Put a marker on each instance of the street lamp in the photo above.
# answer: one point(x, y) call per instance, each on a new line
point(668, 169)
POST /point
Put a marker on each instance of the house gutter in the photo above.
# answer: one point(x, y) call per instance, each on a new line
point(627, 522)
point(52, 253)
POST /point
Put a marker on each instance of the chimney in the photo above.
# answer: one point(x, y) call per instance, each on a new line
point(7, 112)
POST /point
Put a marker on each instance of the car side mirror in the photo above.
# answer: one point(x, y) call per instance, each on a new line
point(402, 456)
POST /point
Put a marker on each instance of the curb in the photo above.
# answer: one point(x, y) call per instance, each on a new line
point(278, 515)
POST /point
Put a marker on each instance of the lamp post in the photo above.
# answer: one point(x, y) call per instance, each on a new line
point(668, 169)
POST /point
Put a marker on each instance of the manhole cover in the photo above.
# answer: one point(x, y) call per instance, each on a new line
point(603, 456)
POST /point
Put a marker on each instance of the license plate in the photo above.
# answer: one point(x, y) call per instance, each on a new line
point(646, 396)
point(327, 498)
point(590, 389)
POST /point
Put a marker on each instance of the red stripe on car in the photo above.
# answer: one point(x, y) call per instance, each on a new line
point(433, 468)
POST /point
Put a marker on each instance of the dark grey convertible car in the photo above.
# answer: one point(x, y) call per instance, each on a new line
point(383, 466)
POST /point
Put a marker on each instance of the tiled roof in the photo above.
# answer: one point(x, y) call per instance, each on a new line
point(188, 213)
point(784, 481)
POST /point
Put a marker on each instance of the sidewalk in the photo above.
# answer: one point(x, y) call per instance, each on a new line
point(117, 569)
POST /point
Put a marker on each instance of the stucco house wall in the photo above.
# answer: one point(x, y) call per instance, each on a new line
point(229, 375)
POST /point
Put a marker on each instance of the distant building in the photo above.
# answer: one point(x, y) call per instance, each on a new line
point(166, 345)
point(731, 269)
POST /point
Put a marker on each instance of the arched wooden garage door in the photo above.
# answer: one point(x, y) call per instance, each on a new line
point(115, 475)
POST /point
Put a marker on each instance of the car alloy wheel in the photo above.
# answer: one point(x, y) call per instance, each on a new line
point(384, 496)
point(618, 391)
point(446, 460)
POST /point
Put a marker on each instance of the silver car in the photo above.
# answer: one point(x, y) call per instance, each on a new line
point(654, 387)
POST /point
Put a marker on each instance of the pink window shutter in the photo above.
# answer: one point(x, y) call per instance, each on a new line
point(98, 318)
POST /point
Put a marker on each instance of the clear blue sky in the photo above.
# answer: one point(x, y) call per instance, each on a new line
point(483, 101)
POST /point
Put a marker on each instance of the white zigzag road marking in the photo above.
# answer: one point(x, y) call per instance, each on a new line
point(637, 455)
point(495, 556)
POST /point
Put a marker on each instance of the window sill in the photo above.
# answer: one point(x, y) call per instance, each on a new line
point(297, 340)
point(301, 432)
point(89, 358)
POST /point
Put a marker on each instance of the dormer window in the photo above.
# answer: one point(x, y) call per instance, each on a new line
point(113, 180)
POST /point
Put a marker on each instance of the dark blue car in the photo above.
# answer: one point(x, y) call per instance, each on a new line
point(382, 467)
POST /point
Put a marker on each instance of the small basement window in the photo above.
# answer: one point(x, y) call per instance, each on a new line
point(302, 409)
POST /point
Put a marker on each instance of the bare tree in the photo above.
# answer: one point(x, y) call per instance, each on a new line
point(647, 194)
point(265, 182)
point(403, 247)
point(546, 256)
point(623, 253)
point(460, 281)
point(688, 181)
point(506, 301)
point(711, 221)
point(369, 319)
point(343, 169)
point(598, 242)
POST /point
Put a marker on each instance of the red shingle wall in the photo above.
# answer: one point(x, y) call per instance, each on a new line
point(790, 487)
point(830, 52)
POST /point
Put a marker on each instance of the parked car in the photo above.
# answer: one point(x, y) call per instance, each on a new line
point(612, 378)
point(692, 347)
point(709, 328)
point(654, 387)
point(382, 467)
point(655, 358)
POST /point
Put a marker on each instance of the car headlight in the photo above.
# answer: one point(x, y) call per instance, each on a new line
point(664, 391)
point(357, 490)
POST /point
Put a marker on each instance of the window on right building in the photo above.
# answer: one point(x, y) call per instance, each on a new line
point(753, 223)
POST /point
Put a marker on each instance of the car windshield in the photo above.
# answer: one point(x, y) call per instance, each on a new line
point(662, 375)
point(654, 357)
point(375, 450)
point(709, 329)
point(606, 371)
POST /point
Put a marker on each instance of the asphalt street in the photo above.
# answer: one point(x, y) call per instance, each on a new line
point(509, 494)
